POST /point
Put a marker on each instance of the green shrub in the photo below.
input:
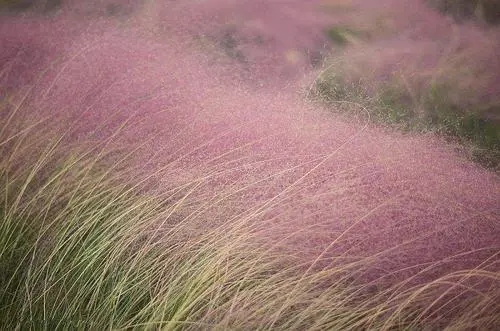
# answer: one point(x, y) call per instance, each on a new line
point(430, 108)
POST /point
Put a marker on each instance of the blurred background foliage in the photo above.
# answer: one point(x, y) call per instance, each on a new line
point(487, 11)
point(19, 5)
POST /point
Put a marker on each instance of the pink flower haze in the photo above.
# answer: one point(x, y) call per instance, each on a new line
point(214, 90)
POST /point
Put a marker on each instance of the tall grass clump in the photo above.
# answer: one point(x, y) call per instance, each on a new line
point(87, 243)
point(83, 246)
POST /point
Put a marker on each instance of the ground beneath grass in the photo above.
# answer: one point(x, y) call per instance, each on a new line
point(215, 91)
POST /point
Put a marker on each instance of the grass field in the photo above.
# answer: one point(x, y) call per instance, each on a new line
point(134, 195)
point(83, 246)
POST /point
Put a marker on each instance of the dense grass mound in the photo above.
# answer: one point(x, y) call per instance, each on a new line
point(84, 246)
